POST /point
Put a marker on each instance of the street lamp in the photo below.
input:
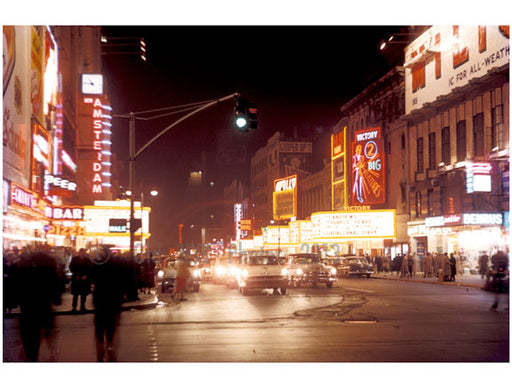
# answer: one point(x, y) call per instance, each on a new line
point(134, 154)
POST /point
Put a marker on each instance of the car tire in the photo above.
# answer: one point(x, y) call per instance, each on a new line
point(283, 290)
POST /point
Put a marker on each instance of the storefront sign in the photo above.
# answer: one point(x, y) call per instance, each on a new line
point(56, 185)
point(117, 225)
point(23, 197)
point(65, 213)
point(478, 177)
point(465, 219)
point(348, 225)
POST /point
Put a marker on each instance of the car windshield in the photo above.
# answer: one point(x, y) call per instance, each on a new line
point(306, 259)
point(262, 260)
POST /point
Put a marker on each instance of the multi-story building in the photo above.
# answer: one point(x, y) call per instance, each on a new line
point(457, 108)
point(279, 158)
point(57, 127)
point(373, 168)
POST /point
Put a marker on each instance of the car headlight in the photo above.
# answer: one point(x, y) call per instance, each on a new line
point(207, 270)
point(160, 274)
point(284, 272)
point(333, 271)
point(245, 273)
point(197, 273)
point(300, 271)
point(221, 270)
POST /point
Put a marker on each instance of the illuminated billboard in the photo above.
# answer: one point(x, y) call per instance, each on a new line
point(285, 198)
point(368, 167)
point(338, 169)
point(333, 226)
point(448, 57)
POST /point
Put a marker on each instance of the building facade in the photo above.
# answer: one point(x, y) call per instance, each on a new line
point(279, 158)
point(457, 111)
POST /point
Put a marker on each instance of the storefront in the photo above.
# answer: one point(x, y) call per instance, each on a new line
point(466, 234)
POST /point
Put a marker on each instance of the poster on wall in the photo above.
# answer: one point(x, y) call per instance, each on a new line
point(367, 168)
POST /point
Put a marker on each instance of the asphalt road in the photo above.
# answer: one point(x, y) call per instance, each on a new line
point(358, 320)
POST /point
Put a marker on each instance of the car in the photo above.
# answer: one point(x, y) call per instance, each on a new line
point(262, 270)
point(308, 268)
point(225, 271)
point(354, 266)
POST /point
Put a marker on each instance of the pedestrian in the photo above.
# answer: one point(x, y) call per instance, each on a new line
point(386, 264)
point(148, 274)
point(9, 295)
point(111, 278)
point(182, 275)
point(378, 263)
point(499, 278)
point(427, 265)
point(410, 265)
point(453, 267)
point(447, 268)
point(483, 264)
point(38, 286)
point(404, 267)
point(80, 267)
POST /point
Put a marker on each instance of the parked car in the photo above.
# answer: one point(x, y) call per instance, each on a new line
point(354, 266)
point(262, 270)
point(308, 268)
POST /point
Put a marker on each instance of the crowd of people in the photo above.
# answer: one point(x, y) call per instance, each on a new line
point(35, 278)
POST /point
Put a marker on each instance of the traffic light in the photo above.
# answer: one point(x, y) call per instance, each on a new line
point(246, 114)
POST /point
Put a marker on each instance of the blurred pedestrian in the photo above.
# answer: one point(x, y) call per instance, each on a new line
point(447, 268)
point(148, 274)
point(500, 278)
point(80, 267)
point(38, 286)
point(453, 267)
point(483, 265)
point(428, 263)
point(182, 275)
point(378, 263)
point(386, 264)
point(9, 295)
point(404, 267)
point(111, 278)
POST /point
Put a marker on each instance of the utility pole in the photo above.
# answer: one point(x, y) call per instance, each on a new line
point(134, 154)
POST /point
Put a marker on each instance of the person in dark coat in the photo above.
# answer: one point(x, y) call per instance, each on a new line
point(111, 276)
point(148, 273)
point(453, 267)
point(80, 267)
point(483, 265)
point(499, 278)
point(38, 286)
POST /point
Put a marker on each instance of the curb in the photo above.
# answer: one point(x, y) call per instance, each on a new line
point(458, 284)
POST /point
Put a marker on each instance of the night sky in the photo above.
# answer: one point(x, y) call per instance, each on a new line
point(298, 76)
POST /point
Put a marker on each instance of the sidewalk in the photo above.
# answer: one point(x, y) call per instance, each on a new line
point(145, 301)
point(466, 280)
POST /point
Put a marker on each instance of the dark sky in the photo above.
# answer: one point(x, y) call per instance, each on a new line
point(298, 76)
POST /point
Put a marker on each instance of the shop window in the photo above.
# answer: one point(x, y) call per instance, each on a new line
point(461, 140)
point(478, 134)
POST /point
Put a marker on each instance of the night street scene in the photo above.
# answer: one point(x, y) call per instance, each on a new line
point(280, 204)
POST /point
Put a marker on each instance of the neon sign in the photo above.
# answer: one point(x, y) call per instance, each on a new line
point(368, 167)
point(478, 177)
point(101, 143)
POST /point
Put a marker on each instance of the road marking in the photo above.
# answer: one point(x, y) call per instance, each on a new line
point(360, 321)
point(357, 289)
point(153, 348)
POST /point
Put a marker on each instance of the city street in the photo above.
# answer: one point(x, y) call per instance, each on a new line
point(358, 320)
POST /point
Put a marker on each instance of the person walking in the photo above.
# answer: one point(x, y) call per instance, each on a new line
point(427, 265)
point(404, 267)
point(38, 286)
point(453, 267)
point(148, 274)
point(182, 275)
point(111, 277)
point(500, 278)
point(483, 265)
point(80, 267)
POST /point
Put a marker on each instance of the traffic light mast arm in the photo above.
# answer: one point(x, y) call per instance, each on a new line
point(201, 108)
